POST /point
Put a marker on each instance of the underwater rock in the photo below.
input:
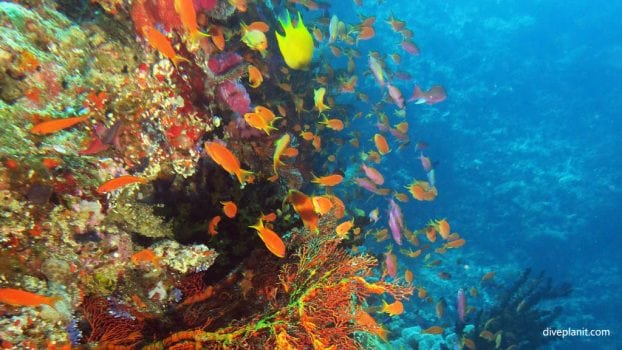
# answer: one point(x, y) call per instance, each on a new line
point(194, 258)
point(223, 62)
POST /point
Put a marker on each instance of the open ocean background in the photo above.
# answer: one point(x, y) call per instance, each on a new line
point(528, 142)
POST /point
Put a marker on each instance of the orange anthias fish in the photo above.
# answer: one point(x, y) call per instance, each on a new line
point(240, 5)
point(364, 319)
point(188, 17)
point(318, 98)
point(273, 242)
point(52, 126)
point(381, 144)
point(161, 43)
point(259, 122)
point(230, 209)
point(227, 160)
point(393, 309)
point(328, 180)
point(18, 297)
point(343, 228)
point(145, 255)
point(334, 124)
point(303, 205)
point(212, 227)
point(254, 76)
point(321, 204)
point(421, 190)
point(279, 148)
point(270, 217)
point(443, 228)
point(119, 182)
point(433, 330)
point(455, 243)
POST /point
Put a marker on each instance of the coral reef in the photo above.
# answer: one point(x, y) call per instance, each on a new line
point(521, 313)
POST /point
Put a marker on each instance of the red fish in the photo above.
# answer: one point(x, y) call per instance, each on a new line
point(435, 95)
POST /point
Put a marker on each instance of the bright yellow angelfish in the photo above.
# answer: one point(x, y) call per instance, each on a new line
point(297, 44)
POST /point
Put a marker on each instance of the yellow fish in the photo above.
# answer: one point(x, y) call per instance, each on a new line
point(279, 147)
point(318, 97)
point(296, 45)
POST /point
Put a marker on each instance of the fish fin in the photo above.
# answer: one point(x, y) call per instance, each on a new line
point(177, 59)
point(242, 175)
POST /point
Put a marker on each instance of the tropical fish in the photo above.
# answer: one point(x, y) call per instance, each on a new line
point(425, 162)
point(212, 226)
point(343, 228)
point(321, 204)
point(364, 319)
point(296, 45)
point(396, 95)
point(303, 205)
point(258, 122)
point(227, 160)
point(396, 221)
point(254, 76)
point(334, 124)
point(339, 208)
point(18, 297)
point(161, 43)
point(455, 243)
point(396, 24)
point(188, 17)
point(374, 215)
point(489, 276)
point(410, 47)
point(390, 264)
point(333, 29)
point(435, 95)
point(370, 186)
point(270, 217)
point(52, 126)
point(409, 277)
point(393, 309)
point(373, 174)
point(279, 147)
point(255, 38)
point(440, 308)
point(328, 180)
point(229, 209)
point(461, 304)
point(381, 144)
point(318, 97)
point(119, 182)
point(273, 242)
point(143, 256)
point(240, 5)
point(443, 228)
point(376, 70)
point(422, 191)
point(433, 330)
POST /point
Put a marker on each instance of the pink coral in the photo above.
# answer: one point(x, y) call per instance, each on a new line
point(206, 5)
point(223, 62)
point(234, 95)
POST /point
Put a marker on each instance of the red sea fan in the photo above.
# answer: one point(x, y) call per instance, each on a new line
point(234, 95)
point(110, 327)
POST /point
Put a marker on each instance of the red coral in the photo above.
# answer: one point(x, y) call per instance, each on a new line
point(119, 327)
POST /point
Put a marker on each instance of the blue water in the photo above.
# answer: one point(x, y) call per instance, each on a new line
point(528, 143)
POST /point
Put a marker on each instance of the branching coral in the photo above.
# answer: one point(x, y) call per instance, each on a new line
point(519, 317)
point(309, 302)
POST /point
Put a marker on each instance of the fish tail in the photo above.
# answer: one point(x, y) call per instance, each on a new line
point(51, 301)
point(242, 175)
point(177, 59)
point(198, 35)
